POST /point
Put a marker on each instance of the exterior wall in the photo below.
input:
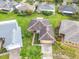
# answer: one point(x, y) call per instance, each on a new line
point(0, 44)
point(46, 41)
point(62, 37)
point(14, 54)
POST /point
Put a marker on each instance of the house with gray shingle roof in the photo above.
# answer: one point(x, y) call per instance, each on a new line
point(44, 29)
point(46, 7)
point(70, 29)
point(67, 9)
point(46, 35)
point(75, 1)
point(37, 24)
point(7, 5)
point(69, 1)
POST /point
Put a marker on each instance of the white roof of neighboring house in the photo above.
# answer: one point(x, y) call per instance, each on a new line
point(12, 34)
point(46, 7)
point(71, 30)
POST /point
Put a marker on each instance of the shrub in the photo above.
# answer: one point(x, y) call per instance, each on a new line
point(47, 13)
point(29, 12)
point(3, 50)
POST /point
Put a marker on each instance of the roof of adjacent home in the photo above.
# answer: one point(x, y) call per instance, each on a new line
point(25, 6)
point(75, 1)
point(71, 30)
point(46, 33)
point(46, 7)
point(67, 26)
point(37, 24)
point(5, 5)
point(67, 9)
point(12, 34)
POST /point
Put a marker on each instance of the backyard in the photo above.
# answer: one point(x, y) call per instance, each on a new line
point(33, 52)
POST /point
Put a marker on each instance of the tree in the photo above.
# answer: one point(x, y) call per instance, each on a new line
point(58, 1)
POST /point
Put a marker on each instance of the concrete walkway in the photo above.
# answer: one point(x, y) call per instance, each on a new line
point(46, 51)
point(14, 54)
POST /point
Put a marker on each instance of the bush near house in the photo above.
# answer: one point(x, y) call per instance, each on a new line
point(47, 13)
point(29, 12)
point(2, 50)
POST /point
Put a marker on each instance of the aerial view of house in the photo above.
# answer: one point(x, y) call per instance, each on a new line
point(39, 29)
point(46, 7)
point(11, 37)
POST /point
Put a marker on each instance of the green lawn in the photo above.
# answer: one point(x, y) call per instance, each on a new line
point(28, 50)
point(4, 56)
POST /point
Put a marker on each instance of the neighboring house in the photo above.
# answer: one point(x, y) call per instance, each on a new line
point(37, 24)
point(75, 1)
point(65, 2)
point(70, 31)
point(67, 9)
point(22, 7)
point(46, 35)
point(46, 7)
point(6, 6)
point(42, 27)
point(11, 32)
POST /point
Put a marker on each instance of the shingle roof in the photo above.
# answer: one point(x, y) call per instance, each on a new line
point(37, 24)
point(71, 30)
point(46, 33)
point(75, 1)
point(67, 9)
point(67, 26)
point(24, 7)
point(5, 5)
point(12, 34)
point(45, 6)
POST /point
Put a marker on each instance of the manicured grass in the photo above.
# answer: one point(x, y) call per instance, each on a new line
point(28, 50)
point(4, 56)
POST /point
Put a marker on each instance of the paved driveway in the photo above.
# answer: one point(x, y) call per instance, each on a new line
point(14, 54)
point(47, 51)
